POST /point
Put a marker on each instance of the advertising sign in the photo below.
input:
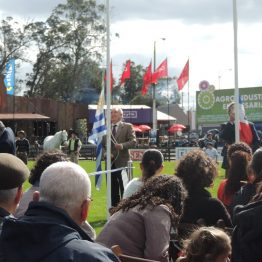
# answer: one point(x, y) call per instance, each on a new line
point(212, 105)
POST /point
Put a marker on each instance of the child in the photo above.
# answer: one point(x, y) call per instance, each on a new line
point(207, 244)
point(211, 151)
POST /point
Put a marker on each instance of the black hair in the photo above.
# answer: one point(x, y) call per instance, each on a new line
point(152, 160)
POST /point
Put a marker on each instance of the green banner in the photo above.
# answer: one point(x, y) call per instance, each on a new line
point(212, 105)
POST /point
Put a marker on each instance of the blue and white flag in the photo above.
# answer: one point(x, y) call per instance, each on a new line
point(98, 131)
point(9, 79)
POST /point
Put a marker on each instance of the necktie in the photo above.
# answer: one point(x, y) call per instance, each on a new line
point(114, 130)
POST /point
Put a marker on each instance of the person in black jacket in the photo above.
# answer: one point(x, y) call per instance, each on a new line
point(247, 235)
point(227, 134)
point(7, 139)
point(50, 229)
point(198, 172)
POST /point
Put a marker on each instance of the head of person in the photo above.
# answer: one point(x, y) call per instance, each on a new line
point(67, 186)
point(12, 176)
point(21, 134)
point(209, 145)
point(43, 161)
point(208, 244)
point(209, 136)
point(197, 170)
point(158, 190)
point(73, 134)
point(116, 115)
point(231, 111)
point(256, 165)
point(151, 164)
point(239, 156)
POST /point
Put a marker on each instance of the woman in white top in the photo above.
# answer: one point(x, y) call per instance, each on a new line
point(151, 164)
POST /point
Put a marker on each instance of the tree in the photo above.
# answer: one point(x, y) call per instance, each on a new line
point(69, 43)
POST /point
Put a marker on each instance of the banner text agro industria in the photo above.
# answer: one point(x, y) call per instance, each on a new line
point(212, 106)
point(245, 98)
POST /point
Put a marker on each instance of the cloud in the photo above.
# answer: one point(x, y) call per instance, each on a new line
point(189, 11)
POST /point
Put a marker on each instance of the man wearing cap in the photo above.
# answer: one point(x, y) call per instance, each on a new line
point(74, 147)
point(12, 175)
point(7, 139)
point(50, 230)
point(22, 146)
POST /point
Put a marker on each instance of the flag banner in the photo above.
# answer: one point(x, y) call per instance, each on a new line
point(98, 131)
point(244, 127)
point(147, 79)
point(183, 78)
point(160, 72)
point(126, 74)
point(9, 79)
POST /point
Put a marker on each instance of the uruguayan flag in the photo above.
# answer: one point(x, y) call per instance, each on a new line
point(98, 131)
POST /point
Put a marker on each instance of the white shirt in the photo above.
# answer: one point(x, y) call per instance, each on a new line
point(212, 152)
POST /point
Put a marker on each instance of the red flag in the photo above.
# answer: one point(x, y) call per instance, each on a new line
point(147, 79)
point(111, 76)
point(126, 74)
point(246, 134)
point(183, 78)
point(160, 72)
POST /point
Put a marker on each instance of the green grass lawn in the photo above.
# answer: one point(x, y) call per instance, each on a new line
point(97, 216)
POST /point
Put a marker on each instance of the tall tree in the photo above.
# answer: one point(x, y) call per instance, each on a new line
point(69, 43)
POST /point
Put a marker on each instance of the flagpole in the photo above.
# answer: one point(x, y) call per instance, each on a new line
point(236, 73)
point(108, 111)
point(188, 102)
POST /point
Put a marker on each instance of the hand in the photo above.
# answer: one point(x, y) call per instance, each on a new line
point(118, 146)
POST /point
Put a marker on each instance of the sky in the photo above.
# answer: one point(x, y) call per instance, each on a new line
point(201, 31)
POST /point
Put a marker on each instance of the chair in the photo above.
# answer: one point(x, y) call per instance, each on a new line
point(125, 258)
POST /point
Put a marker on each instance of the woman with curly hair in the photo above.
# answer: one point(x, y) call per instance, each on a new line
point(141, 224)
point(207, 244)
point(151, 164)
point(239, 156)
point(198, 172)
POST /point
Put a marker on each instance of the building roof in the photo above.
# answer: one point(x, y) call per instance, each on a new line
point(126, 107)
point(164, 117)
point(22, 116)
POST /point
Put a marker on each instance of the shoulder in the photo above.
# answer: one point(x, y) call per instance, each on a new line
point(90, 251)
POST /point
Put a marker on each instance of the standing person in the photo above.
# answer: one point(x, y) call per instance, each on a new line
point(50, 229)
point(22, 146)
point(211, 151)
point(227, 134)
point(7, 139)
point(123, 137)
point(74, 147)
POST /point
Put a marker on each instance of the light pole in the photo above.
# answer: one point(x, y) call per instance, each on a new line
point(154, 90)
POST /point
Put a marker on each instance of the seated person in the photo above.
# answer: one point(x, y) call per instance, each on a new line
point(239, 156)
point(246, 192)
point(43, 161)
point(13, 173)
point(152, 164)
point(247, 234)
point(198, 172)
point(50, 229)
point(207, 244)
point(141, 224)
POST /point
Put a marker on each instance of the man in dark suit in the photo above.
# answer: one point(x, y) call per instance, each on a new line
point(7, 139)
point(123, 138)
point(228, 134)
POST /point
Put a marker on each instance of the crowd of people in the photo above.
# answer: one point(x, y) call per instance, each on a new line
point(162, 217)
